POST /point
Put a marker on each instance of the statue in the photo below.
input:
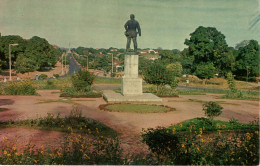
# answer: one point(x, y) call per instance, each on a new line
point(130, 27)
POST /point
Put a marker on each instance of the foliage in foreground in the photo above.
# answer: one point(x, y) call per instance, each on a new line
point(18, 88)
point(171, 146)
point(167, 145)
point(75, 120)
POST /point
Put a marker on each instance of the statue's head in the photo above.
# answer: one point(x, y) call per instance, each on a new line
point(132, 16)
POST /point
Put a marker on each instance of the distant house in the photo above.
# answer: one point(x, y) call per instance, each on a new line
point(54, 46)
point(148, 51)
point(119, 65)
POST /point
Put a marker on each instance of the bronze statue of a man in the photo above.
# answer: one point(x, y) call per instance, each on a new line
point(130, 27)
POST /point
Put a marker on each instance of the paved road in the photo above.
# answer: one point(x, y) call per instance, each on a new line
point(73, 67)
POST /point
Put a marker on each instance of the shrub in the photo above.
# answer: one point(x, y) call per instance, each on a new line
point(161, 141)
point(113, 74)
point(83, 80)
point(231, 83)
point(157, 73)
point(43, 76)
point(72, 92)
point(19, 88)
point(56, 75)
point(212, 109)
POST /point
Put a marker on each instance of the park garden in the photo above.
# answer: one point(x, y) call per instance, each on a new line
point(211, 119)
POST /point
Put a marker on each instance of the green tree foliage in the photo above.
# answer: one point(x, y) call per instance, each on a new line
point(207, 45)
point(83, 80)
point(157, 73)
point(39, 50)
point(24, 65)
point(228, 61)
point(168, 56)
point(16, 50)
point(187, 61)
point(231, 83)
point(175, 68)
point(212, 109)
point(35, 53)
point(143, 63)
point(104, 62)
point(205, 71)
point(248, 60)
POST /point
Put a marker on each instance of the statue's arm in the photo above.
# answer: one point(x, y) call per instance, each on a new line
point(139, 29)
point(126, 26)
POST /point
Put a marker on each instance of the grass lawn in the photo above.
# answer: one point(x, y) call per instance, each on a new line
point(100, 80)
point(136, 108)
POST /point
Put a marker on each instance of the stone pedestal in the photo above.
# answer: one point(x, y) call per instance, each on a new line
point(131, 83)
point(131, 87)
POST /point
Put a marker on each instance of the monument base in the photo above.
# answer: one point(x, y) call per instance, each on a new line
point(118, 97)
point(131, 86)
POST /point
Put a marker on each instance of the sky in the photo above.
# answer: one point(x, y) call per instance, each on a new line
point(100, 23)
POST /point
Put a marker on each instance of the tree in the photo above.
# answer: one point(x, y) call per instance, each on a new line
point(103, 62)
point(24, 65)
point(175, 68)
point(205, 71)
point(207, 45)
point(143, 63)
point(168, 56)
point(228, 61)
point(187, 61)
point(156, 73)
point(248, 60)
point(39, 50)
point(4, 49)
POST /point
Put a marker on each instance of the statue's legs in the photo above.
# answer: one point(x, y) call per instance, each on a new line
point(128, 43)
point(135, 44)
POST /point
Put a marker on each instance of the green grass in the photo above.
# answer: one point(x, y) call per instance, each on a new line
point(219, 102)
point(100, 80)
point(72, 92)
point(57, 83)
point(213, 126)
point(242, 95)
point(137, 108)
point(201, 91)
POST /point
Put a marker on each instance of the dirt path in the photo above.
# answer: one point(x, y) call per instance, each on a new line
point(129, 125)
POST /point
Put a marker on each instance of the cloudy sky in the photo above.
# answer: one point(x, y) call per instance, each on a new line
point(99, 23)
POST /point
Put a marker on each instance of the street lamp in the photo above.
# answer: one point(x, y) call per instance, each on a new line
point(10, 64)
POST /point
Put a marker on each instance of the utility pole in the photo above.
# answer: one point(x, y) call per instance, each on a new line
point(10, 63)
point(112, 63)
point(62, 63)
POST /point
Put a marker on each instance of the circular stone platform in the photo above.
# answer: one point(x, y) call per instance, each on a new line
point(118, 97)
